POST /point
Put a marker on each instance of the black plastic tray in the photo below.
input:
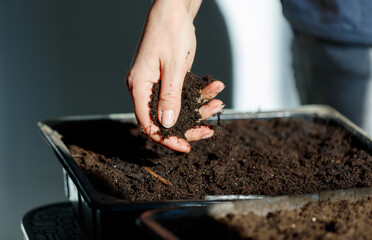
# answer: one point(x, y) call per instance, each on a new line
point(195, 223)
point(104, 215)
point(54, 221)
point(178, 223)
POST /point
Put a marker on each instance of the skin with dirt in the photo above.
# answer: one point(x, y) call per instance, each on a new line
point(190, 103)
point(252, 156)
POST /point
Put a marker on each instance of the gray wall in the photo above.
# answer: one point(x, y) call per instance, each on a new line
point(62, 58)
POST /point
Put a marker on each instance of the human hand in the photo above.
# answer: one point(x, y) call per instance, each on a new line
point(166, 52)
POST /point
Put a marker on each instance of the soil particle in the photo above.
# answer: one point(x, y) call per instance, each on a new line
point(316, 220)
point(189, 116)
point(253, 156)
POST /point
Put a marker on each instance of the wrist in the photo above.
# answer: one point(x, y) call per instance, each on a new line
point(190, 6)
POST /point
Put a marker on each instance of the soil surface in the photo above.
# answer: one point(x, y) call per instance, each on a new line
point(262, 157)
point(316, 220)
point(190, 102)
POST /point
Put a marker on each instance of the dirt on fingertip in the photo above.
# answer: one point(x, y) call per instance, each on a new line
point(189, 116)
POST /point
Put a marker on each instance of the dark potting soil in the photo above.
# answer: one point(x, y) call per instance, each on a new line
point(252, 156)
point(316, 220)
point(191, 101)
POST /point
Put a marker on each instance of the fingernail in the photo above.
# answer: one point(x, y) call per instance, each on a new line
point(167, 118)
point(218, 109)
point(208, 135)
point(220, 88)
point(186, 149)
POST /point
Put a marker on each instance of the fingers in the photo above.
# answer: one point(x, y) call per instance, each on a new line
point(172, 79)
point(211, 91)
point(211, 108)
point(182, 145)
point(174, 143)
point(140, 83)
point(198, 133)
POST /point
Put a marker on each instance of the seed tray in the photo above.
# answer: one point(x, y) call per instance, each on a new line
point(103, 215)
point(179, 223)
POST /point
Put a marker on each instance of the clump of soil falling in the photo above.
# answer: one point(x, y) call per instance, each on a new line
point(316, 220)
point(189, 116)
point(250, 156)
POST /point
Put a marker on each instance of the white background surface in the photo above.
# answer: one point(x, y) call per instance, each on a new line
point(260, 39)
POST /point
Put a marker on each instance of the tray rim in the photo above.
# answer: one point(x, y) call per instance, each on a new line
point(150, 220)
point(90, 194)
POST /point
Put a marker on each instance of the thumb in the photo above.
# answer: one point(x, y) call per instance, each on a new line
point(170, 96)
